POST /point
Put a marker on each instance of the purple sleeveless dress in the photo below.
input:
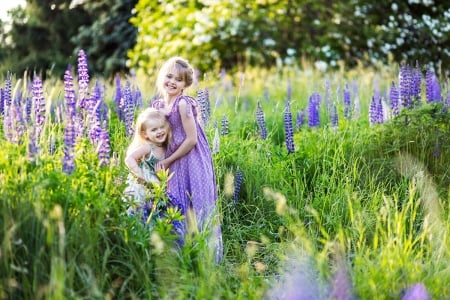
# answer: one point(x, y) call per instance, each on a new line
point(193, 183)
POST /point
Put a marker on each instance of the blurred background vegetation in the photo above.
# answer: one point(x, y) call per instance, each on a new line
point(123, 35)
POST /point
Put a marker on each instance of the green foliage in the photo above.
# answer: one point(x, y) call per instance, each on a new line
point(371, 200)
point(234, 33)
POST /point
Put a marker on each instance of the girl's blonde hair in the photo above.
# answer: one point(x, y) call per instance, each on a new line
point(143, 121)
point(179, 66)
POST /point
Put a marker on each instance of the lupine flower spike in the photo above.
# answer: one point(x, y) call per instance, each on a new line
point(238, 179)
point(69, 131)
point(39, 106)
point(128, 109)
point(347, 103)
point(288, 128)
point(394, 99)
point(83, 79)
point(313, 110)
point(224, 130)
point(260, 120)
point(300, 119)
point(433, 90)
point(405, 86)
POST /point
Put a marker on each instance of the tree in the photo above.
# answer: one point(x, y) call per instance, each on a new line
point(107, 40)
point(40, 36)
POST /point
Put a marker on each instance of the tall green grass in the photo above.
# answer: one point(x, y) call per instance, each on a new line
point(371, 200)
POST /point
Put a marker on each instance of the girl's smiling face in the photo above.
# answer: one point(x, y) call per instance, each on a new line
point(173, 83)
point(156, 131)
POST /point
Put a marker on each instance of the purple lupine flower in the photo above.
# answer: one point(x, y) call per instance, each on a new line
point(300, 119)
point(356, 104)
point(2, 102)
point(32, 147)
point(128, 109)
point(347, 103)
point(416, 81)
point(260, 120)
point(299, 280)
point(394, 99)
point(28, 109)
point(7, 92)
point(288, 128)
point(334, 116)
point(94, 117)
point(118, 98)
point(39, 105)
point(417, 291)
point(104, 148)
point(137, 96)
point(203, 100)
point(224, 130)
point(433, 90)
point(405, 86)
point(341, 285)
point(18, 126)
point(238, 179)
point(83, 78)
point(69, 130)
point(313, 110)
point(373, 111)
point(7, 101)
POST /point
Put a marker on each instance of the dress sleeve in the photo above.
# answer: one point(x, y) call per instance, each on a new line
point(191, 105)
point(158, 104)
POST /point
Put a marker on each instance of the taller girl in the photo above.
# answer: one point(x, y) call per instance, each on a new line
point(188, 156)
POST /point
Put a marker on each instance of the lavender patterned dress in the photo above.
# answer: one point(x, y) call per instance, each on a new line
point(194, 182)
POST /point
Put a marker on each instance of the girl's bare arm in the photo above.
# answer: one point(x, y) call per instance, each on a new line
point(132, 159)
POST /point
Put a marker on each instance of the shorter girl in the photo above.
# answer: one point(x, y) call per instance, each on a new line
point(147, 148)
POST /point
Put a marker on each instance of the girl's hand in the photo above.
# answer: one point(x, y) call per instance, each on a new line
point(160, 166)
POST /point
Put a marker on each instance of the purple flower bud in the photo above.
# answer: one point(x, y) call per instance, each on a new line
point(104, 146)
point(313, 110)
point(128, 109)
point(334, 116)
point(347, 103)
point(118, 98)
point(39, 105)
point(288, 128)
point(300, 119)
point(416, 292)
point(83, 78)
point(238, 179)
point(394, 99)
point(433, 90)
point(69, 130)
point(203, 100)
point(405, 86)
point(224, 130)
point(2, 102)
point(260, 120)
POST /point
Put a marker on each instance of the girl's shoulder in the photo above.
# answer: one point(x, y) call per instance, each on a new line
point(189, 100)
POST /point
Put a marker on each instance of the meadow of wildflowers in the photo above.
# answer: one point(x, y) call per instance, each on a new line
point(336, 187)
